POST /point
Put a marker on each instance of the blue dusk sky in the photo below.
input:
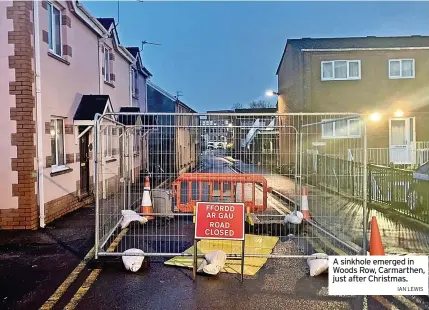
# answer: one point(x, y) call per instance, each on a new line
point(221, 53)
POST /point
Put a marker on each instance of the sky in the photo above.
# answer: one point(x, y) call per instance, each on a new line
point(221, 53)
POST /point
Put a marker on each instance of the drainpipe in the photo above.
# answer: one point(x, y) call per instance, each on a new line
point(39, 120)
point(100, 45)
point(130, 89)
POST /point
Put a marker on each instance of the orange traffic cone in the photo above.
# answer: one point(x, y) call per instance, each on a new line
point(304, 204)
point(375, 244)
point(146, 206)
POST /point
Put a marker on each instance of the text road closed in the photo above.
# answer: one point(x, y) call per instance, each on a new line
point(215, 220)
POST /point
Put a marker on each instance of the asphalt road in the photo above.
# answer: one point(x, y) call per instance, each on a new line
point(34, 264)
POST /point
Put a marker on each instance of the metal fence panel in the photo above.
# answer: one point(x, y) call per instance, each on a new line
point(201, 157)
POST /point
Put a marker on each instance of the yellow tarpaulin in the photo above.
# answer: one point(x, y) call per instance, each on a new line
point(253, 245)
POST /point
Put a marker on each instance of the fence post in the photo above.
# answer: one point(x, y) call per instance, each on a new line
point(353, 174)
point(97, 203)
point(337, 173)
point(365, 184)
point(369, 183)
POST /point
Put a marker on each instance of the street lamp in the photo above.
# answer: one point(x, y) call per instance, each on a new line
point(271, 93)
point(375, 117)
point(399, 113)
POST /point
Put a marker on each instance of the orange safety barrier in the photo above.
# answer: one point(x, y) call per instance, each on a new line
point(219, 178)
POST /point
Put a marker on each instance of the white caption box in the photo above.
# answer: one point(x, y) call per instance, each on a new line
point(378, 275)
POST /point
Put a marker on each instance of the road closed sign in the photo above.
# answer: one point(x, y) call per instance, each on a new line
point(218, 220)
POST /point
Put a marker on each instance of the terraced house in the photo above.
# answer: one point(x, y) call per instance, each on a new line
point(60, 66)
point(383, 76)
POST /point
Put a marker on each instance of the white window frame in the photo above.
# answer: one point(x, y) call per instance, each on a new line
point(334, 136)
point(107, 64)
point(52, 35)
point(400, 69)
point(56, 167)
point(134, 85)
point(333, 70)
point(108, 143)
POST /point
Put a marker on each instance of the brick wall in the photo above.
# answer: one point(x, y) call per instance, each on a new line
point(21, 37)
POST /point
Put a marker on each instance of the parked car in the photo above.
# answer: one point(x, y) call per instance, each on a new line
point(221, 145)
point(211, 146)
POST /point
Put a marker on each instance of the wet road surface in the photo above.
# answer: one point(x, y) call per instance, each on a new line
point(34, 263)
point(42, 260)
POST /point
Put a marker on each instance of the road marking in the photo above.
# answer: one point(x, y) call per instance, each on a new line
point(50, 303)
point(407, 302)
point(329, 244)
point(93, 275)
point(385, 302)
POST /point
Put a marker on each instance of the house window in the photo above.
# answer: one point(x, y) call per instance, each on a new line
point(401, 68)
point(54, 33)
point(108, 142)
point(58, 156)
point(345, 128)
point(134, 82)
point(106, 64)
point(341, 70)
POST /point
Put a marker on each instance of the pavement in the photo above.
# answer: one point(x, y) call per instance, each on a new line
point(34, 263)
point(344, 217)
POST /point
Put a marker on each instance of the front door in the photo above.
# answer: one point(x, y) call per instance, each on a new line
point(84, 163)
point(401, 139)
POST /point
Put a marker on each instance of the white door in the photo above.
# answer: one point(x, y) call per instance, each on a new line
point(401, 138)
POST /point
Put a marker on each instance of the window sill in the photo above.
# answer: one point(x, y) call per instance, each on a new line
point(109, 83)
point(60, 170)
point(401, 77)
point(345, 79)
point(110, 159)
point(341, 137)
point(59, 58)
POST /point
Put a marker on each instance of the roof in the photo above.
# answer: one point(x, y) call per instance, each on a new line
point(106, 22)
point(221, 111)
point(130, 120)
point(90, 105)
point(257, 110)
point(169, 96)
point(190, 110)
point(369, 42)
point(135, 52)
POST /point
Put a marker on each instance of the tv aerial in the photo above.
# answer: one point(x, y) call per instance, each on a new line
point(179, 94)
point(148, 43)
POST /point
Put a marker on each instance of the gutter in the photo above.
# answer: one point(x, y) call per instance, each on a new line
point(39, 118)
point(82, 9)
point(101, 31)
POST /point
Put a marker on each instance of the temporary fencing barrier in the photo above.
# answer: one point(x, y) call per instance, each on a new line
point(272, 162)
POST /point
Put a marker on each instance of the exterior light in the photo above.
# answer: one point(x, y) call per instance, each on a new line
point(271, 93)
point(399, 113)
point(375, 117)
